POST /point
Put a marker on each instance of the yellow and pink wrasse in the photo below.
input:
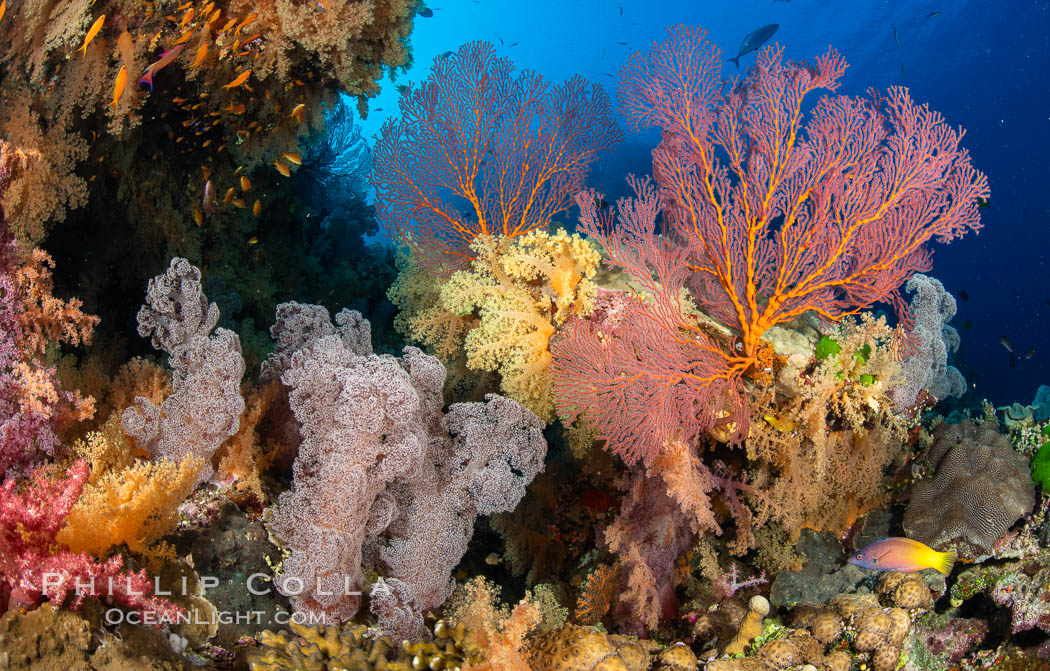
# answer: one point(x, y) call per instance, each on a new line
point(904, 555)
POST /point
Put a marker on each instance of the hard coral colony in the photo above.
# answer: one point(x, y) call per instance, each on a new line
point(536, 462)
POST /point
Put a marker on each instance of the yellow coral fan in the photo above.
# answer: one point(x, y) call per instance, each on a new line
point(134, 505)
point(520, 290)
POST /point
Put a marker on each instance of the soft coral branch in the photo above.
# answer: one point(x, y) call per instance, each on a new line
point(33, 566)
point(33, 408)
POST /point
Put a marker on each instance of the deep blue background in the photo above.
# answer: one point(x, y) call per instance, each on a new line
point(983, 65)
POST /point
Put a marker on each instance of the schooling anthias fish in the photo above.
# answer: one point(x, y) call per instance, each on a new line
point(902, 554)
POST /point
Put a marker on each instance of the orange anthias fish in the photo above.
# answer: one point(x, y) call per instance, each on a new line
point(202, 51)
point(292, 157)
point(240, 79)
point(298, 112)
point(92, 31)
point(902, 554)
point(118, 86)
point(165, 59)
point(248, 19)
point(3, 8)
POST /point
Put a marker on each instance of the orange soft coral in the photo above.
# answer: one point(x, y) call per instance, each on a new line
point(495, 633)
point(127, 501)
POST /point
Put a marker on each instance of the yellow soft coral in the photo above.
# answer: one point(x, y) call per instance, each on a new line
point(521, 290)
point(420, 317)
point(126, 501)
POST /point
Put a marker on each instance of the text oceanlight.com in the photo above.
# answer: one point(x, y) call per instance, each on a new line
point(257, 584)
point(242, 617)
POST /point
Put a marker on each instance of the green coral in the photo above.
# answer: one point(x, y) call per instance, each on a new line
point(1041, 465)
point(826, 347)
point(863, 354)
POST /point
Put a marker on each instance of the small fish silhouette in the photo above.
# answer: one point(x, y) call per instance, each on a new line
point(426, 12)
point(895, 40)
point(754, 40)
point(933, 14)
point(963, 295)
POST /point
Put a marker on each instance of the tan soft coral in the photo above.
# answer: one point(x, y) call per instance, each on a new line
point(521, 289)
point(421, 317)
point(351, 40)
point(824, 433)
point(494, 633)
point(59, 100)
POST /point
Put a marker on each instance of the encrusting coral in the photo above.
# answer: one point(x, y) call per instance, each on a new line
point(751, 628)
point(977, 485)
point(575, 648)
point(849, 629)
point(353, 647)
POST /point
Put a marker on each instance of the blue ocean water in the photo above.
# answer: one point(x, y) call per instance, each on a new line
point(983, 65)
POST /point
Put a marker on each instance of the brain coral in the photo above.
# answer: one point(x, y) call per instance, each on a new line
point(575, 648)
point(980, 487)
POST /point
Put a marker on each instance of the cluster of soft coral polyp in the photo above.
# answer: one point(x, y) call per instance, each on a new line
point(34, 409)
point(384, 479)
point(31, 569)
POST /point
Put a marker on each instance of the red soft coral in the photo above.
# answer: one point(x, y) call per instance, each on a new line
point(33, 566)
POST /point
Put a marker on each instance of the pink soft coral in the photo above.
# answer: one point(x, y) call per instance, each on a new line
point(33, 566)
point(33, 407)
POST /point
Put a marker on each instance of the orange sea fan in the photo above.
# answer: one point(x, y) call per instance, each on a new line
point(596, 594)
